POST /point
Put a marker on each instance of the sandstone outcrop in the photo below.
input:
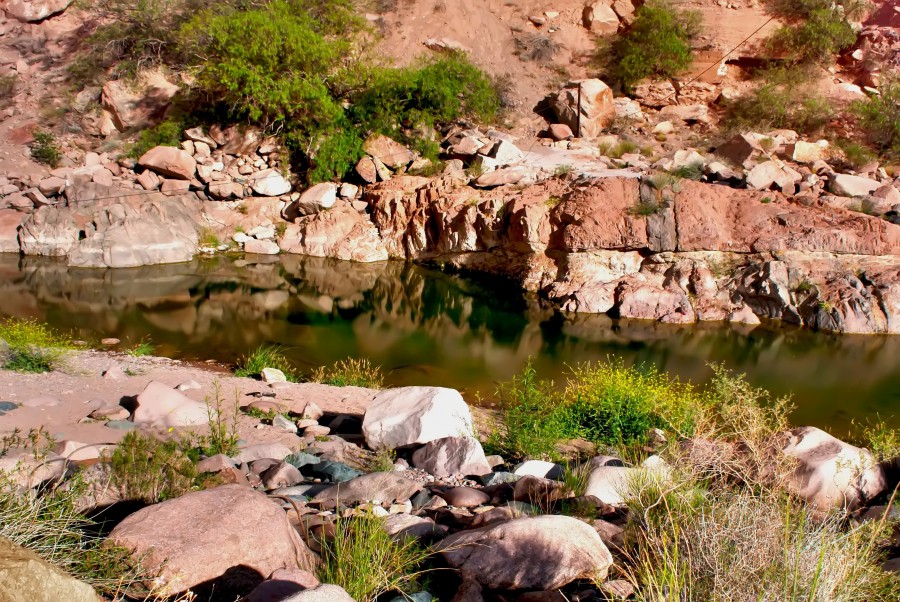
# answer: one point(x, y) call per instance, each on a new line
point(202, 537)
point(26, 577)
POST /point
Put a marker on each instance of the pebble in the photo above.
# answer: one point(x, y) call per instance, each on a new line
point(188, 385)
point(110, 341)
point(465, 497)
point(7, 406)
point(121, 425)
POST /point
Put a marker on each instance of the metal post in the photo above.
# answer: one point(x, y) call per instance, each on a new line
point(578, 114)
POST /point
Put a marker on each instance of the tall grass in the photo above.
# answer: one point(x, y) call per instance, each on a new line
point(605, 403)
point(144, 468)
point(49, 525)
point(265, 356)
point(350, 373)
point(33, 346)
point(745, 544)
point(367, 562)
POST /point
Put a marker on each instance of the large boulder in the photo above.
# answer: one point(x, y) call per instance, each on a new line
point(26, 577)
point(600, 18)
point(313, 200)
point(852, 186)
point(122, 229)
point(391, 153)
point(169, 161)
point(342, 233)
point(541, 552)
point(161, 405)
point(137, 105)
point(831, 474)
point(597, 108)
point(452, 456)
point(269, 182)
point(230, 536)
point(10, 220)
point(415, 415)
point(31, 11)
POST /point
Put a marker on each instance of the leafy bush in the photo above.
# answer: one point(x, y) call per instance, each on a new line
point(785, 100)
point(45, 149)
point(658, 44)
point(168, 133)
point(146, 469)
point(33, 346)
point(605, 403)
point(143, 348)
point(367, 562)
point(350, 373)
point(816, 29)
point(265, 356)
point(880, 118)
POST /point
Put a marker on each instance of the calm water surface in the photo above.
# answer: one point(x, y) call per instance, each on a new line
point(427, 327)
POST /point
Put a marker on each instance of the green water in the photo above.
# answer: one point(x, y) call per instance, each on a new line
point(427, 327)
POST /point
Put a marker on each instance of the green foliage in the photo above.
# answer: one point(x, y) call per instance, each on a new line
point(168, 133)
point(436, 91)
point(33, 346)
point(692, 171)
point(208, 238)
point(383, 461)
point(337, 152)
point(265, 356)
point(816, 29)
point(45, 149)
point(785, 100)
point(879, 438)
point(658, 44)
point(350, 373)
point(855, 154)
point(367, 562)
point(143, 348)
point(880, 118)
point(563, 170)
point(144, 468)
point(37, 443)
point(615, 151)
point(271, 63)
point(222, 437)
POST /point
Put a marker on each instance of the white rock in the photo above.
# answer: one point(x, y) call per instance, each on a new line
point(663, 127)
point(160, 405)
point(452, 456)
point(189, 385)
point(261, 247)
point(411, 415)
point(272, 375)
point(852, 186)
point(539, 468)
point(317, 198)
point(831, 474)
point(269, 182)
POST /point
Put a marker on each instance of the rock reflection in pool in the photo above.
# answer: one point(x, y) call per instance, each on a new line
point(426, 327)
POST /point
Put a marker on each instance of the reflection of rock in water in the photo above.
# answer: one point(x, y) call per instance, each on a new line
point(434, 328)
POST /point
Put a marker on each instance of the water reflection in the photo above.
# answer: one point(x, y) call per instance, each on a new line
point(426, 327)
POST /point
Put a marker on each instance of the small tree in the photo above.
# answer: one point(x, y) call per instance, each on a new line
point(816, 30)
point(880, 117)
point(658, 44)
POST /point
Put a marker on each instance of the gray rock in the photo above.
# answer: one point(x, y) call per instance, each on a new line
point(381, 487)
point(465, 497)
point(281, 475)
point(406, 525)
point(259, 451)
point(283, 423)
point(540, 468)
point(452, 456)
point(542, 553)
point(852, 186)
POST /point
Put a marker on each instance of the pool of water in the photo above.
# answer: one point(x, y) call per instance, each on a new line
point(427, 327)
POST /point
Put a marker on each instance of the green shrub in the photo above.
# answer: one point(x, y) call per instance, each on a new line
point(350, 373)
point(785, 100)
point(367, 562)
point(8, 84)
point(658, 44)
point(265, 356)
point(879, 116)
point(143, 348)
point(168, 133)
point(222, 437)
point(33, 346)
point(45, 149)
point(816, 29)
point(146, 469)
